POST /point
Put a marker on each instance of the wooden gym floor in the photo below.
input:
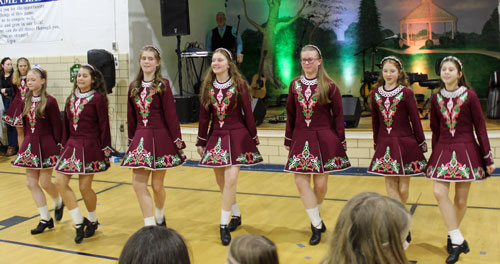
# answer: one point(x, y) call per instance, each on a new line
point(269, 203)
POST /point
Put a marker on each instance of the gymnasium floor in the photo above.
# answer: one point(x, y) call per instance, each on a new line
point(269, 203)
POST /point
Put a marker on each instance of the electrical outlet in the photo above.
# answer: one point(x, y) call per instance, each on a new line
point(122, 128)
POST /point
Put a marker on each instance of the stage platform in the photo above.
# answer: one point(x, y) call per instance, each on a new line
point(359, 140)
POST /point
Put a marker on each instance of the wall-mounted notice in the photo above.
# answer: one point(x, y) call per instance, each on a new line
point(28, 21)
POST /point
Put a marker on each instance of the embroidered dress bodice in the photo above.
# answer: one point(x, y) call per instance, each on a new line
point(307, 98)
point(32, 115)
point(221, 95)
point(23, 88)
point(144, 99)
point(450, 103)
point(388, 106)
point(77, 104)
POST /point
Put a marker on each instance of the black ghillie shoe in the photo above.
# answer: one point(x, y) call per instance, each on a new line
point(225, 235)
point(42, 225)
point(456, 250)
point(234, 223)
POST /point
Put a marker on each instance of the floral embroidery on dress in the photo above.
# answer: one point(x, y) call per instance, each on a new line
point(27, 158)
point(307, 100)
point(32, 114)
point(453, 169)
point(221, 103)
point(95, 166)
point(249, 158)
point(139, 157)
point(71, 164)
point(15, 121)
point(143, 101)
point(417, 166)
point(386, 164)
point(77, 103)
point(168, 161)
point(337, 163)
point(450, 112)
point(50, 161)
point(387, 109)
point(217, 155)
point(305, 161)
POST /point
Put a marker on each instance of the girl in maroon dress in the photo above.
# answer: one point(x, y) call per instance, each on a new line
point(13, 116)
point(398, 136)
point(314, 134)
point(456, 155)
point(40, 148)
point(232, 140)
point(87, 146)
point(155, 141)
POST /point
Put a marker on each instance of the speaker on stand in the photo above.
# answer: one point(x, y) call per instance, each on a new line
point(493, 106)
point(104, 61)
point(352, 111)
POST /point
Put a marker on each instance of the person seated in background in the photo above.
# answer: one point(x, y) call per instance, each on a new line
point(252, 249)
point(155, 245)
point(371, 228)
point(224, 36)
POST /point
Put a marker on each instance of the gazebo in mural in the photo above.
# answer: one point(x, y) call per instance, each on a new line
point(427, 13)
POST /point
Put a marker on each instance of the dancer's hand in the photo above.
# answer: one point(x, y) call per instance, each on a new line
point(287, 148)
point(200, 150)
point(490, 169)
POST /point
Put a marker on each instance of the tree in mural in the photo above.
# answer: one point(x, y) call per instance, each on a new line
point(269, 30)
point(369, 29)
point(325, 12)
point(490, 32)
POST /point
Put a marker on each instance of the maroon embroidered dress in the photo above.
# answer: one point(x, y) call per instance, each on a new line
point(314, 132)
point(397, 133)
point(86, 135)
point(232, 136)
point(42, 137)
point(13, 116)
point(456, 155)
point(153, 130)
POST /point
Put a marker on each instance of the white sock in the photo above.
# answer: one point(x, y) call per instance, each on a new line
point(76, 215)
point(456, 237)
point(224, 217)
point(314, 216)
point(235, 210)
point(149, 221)
point(92, 216)
point(57, 202)
point(160, 215)
point(44, 213)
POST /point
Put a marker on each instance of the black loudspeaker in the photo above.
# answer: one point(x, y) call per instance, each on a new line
point(187, 108)
point(174, 17)
point(259, 111)
point(104, 61)
point(493, 106)
point(352, 111)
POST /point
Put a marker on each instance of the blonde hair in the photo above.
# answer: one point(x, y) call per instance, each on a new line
point(157, 80)
point(324, 80)
point(369, 230)
point(253, 249)
point(16, 79)
point(40, 108)
point(234, 74)
point(402, 76)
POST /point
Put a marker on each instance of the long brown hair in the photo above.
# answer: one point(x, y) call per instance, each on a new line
point(16, 79)
point(157, 80)
point(234, 74)
point(402, 76)
point(98, 84)
point(40, 108)
point(369, 230)
point(2, 71)
point(254, 249)
point(462, 81)
point(324, 80)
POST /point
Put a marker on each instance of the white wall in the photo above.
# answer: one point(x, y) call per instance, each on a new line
point(145, 29)
point(87, 24)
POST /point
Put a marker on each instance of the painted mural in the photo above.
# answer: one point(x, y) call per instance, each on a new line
point(420, 32)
